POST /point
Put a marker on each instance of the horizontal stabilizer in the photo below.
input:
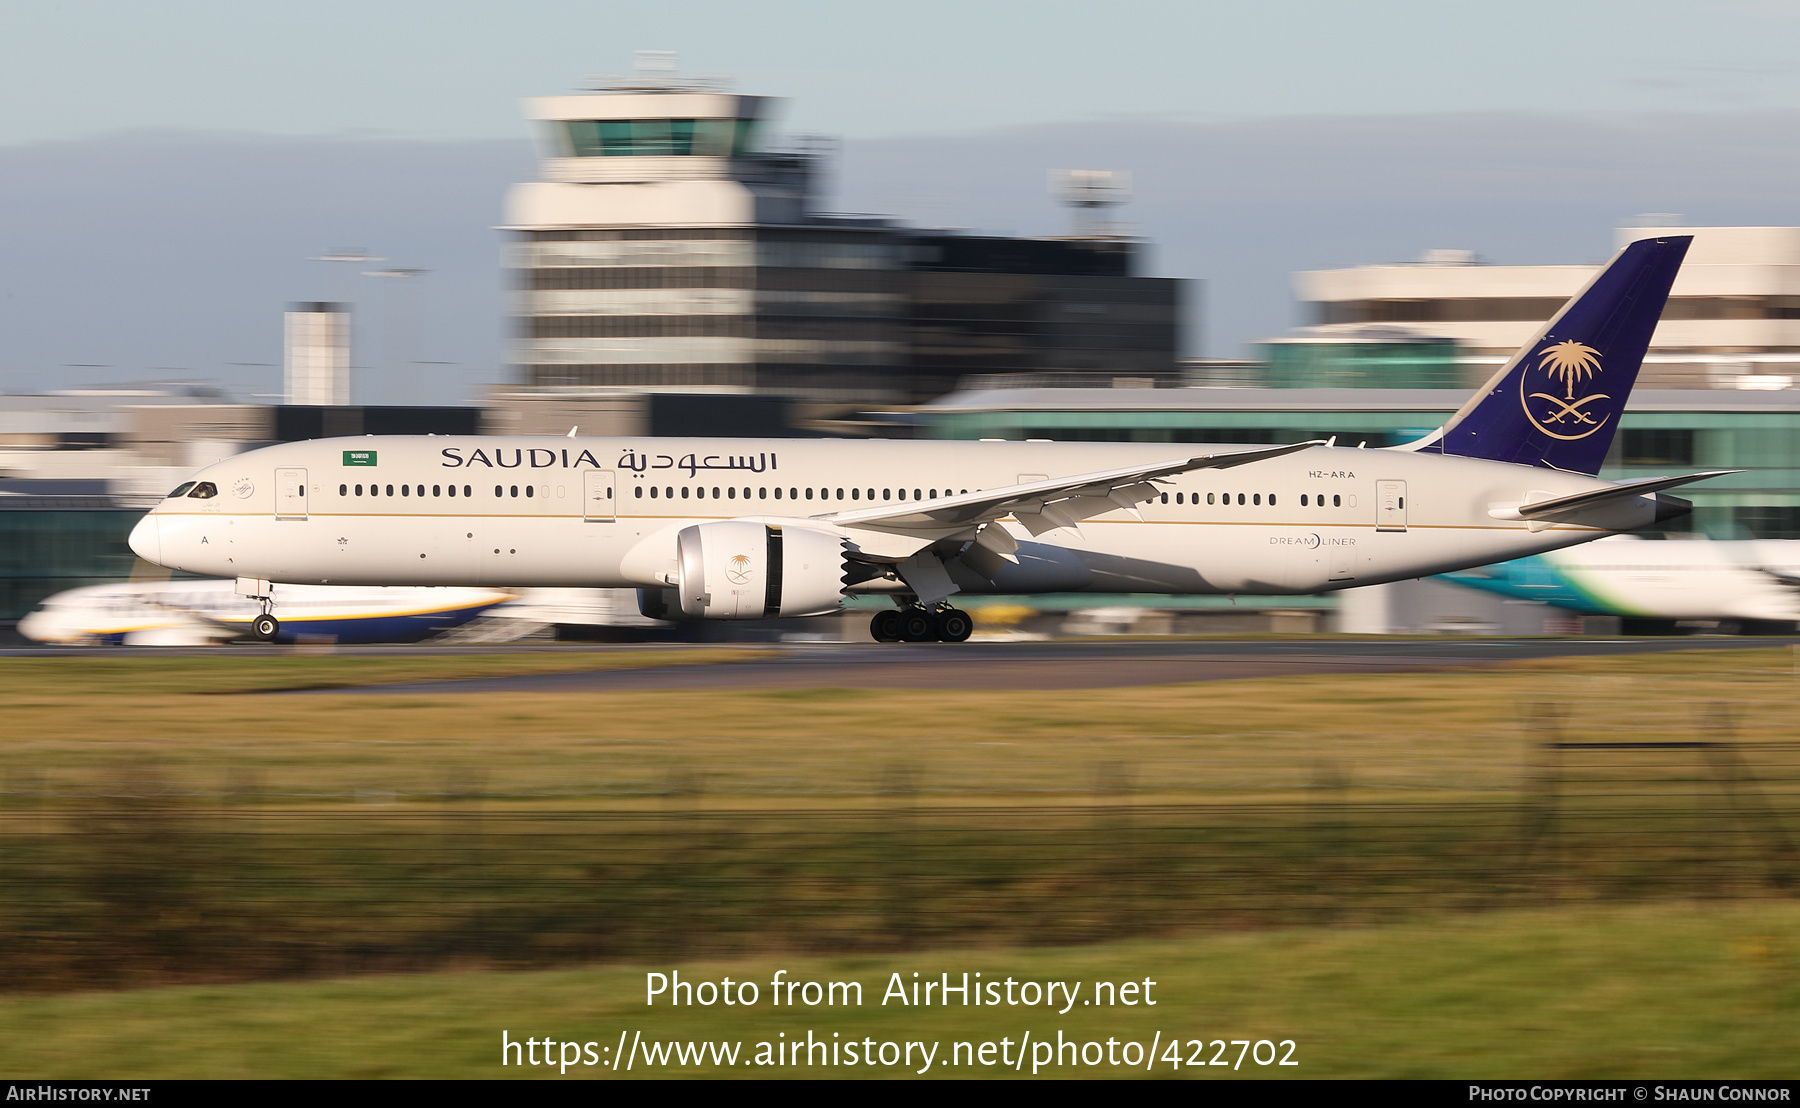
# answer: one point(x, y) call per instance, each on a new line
point(1564, 505)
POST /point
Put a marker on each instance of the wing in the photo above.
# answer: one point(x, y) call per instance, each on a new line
point(1043, 506)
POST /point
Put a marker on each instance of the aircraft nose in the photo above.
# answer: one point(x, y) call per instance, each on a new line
point(146, 539)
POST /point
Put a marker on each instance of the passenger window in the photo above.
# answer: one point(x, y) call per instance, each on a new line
point(1209, 498)
point(809, 494)
point(684, 492)
point(499, 490)
point(205, 490)
point(884, 493)
point(515, 490)
point(777, 492)
point(390, 491)
point(1165, 498)
point(731, 494)
point(405, 490)
point(1303, 500)
point(1337, 501)
point(529, 489)
point(359, 490)
point(668, 492)
point(466, 491)
point(181, 489)
point(653, 492)
point(715, 492)
point(934, 494)
point(871, 494)
point(1257, 499)
point(434, 490)
point(794, 494)
point(1271, 500)
point(640, 492)
point(1240, 499)
point(853, 493)
point(343, 490)
point(840, 494)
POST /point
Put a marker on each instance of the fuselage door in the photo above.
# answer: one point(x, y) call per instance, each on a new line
point(290, 493)
point(1390, 505)
point(598, 505)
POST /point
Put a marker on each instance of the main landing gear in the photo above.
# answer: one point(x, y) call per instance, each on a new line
point(918, 624)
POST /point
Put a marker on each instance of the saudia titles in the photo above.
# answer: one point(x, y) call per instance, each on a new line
point(1564, 417)
point(544, 458)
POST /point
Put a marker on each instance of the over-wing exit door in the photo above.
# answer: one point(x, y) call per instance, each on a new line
point(1390, 505)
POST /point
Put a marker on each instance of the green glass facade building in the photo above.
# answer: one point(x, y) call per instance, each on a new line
point(45, 549)
point(1663, 432)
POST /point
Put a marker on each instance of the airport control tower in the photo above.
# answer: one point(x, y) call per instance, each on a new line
point(666, 246)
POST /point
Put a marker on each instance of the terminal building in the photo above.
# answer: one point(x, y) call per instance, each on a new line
point(1732, 321)
point(669, 244)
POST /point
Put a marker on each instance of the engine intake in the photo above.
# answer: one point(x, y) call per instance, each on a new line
point(737, 569)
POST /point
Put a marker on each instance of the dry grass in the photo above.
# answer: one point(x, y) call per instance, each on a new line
point(1382, 734)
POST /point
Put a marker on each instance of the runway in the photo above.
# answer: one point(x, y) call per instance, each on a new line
point(1047, 666)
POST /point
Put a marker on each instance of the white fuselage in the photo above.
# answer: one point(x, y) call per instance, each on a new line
point(190, 612)
point(1750, 579)
point(521, 512)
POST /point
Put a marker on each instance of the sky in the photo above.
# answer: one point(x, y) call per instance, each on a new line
point(455, 69)
point(166, 171)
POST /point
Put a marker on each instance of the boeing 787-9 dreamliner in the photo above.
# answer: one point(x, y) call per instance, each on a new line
point(750, 529)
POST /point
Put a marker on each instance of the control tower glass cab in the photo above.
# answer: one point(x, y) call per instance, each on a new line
point(666, 245)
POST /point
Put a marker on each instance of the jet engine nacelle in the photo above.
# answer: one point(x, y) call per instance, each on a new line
point(737, 569)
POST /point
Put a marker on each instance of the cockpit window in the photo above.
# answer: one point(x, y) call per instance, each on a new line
point(205, 490)
point(181, 489)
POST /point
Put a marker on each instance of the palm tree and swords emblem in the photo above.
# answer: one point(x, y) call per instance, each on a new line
point(737, 571)
point(1570, 362)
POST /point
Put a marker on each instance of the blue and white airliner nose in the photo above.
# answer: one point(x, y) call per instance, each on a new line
point(146, 539)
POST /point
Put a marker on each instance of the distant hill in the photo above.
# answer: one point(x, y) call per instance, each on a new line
point(146, 253)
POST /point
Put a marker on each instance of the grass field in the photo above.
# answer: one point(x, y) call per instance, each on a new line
point(168, 820)
point(1664, 991)
point(70, 719)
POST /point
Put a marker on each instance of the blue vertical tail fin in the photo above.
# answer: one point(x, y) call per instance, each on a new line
point(1557, 403)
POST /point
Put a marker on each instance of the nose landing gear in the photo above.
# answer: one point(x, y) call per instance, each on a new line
point(264, 626)
point(918, 624)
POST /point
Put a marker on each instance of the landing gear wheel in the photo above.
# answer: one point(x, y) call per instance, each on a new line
point(918, 625)
point(954, 625)
point(885, 627)
point(265, 627)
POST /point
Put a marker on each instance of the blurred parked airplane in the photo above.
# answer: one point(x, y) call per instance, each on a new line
point(1746, 584)
point(192, 613)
